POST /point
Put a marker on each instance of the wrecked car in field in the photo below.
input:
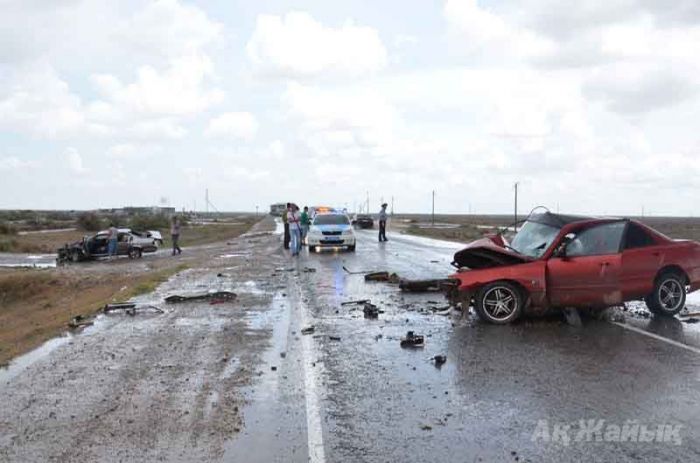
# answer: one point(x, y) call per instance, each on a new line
point(129, 243)
point(557, 261)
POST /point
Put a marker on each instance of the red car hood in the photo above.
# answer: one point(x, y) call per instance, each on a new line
point(487, 252)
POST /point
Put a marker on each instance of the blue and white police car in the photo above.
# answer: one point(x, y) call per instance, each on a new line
point(330, 230)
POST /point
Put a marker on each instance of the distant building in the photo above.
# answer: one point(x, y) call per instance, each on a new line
point(277, 209)
point(130, 211)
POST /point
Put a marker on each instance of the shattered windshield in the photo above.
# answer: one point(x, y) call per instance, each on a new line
point(534, 238)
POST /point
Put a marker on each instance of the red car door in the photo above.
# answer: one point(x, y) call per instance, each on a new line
point(641, 260)
point(588, 275)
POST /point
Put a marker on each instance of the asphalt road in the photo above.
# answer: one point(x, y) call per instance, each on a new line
point(241, 383)
point(506, 393)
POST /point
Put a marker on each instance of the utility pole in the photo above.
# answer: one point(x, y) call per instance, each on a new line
point(368, 202)
point(433, 208)
point(256, 211)
point(206, 200)
point(515, 224)
point(392, 206)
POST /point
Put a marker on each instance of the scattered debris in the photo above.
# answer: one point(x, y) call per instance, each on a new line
point(130, 308)
point(334, 338)
point(282, 269)
point(222, 275)
point(283, 354)
point(439, 360)
point(370, 310)
point(308, 330)
point(412, 340)
point(421, 285)
point(382, 276)
point(690, 314)
point(273, 368)
point(358, 302)
point(80, 321)
point(691, 320)
point(309, 270)
point(216, 296)
point(361, 272)
point(426, 427)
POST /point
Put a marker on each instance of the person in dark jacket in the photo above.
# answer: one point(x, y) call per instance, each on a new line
point(287, 236)
point(382, 223)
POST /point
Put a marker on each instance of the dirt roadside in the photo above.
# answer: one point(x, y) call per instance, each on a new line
point(36, 304)
point(152, 387)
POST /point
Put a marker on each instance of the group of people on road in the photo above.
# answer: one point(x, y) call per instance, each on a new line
point(296, 226)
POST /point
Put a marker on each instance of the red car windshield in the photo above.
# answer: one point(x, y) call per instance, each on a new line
point(534, 238)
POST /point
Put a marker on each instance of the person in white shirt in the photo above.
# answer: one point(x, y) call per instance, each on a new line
point(294, 220)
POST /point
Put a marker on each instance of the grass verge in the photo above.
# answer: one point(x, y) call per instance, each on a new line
point(36, 305)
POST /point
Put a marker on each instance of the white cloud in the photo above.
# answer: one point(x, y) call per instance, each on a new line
point(297, 45)
point(242, 125)
point(14, 164)
point(485, 34)
point(74, 161)
point(34, 99)
point(179, 90)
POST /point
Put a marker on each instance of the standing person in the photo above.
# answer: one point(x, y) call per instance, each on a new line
point(287, 237)
point(294, 228)
point(112, 239)
point(305, 223)
point(175, 235)
point(382, 223)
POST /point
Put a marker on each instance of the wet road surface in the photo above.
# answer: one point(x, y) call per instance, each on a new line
point(241, 383)
point(501, 385)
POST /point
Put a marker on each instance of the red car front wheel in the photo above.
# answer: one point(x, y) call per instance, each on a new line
point(500, 302)
point(668, 297)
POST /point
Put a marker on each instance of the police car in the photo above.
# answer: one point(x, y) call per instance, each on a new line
point(330, 230)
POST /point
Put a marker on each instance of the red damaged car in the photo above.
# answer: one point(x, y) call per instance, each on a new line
point(557, 261)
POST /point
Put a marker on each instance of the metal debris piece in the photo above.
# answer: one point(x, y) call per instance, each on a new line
point(130, 308)
point(358, 302)
point(80, 321)
point(382, 276)
point(309, 270)
point(691, 320)
point(118, 306)
point(334, 338)
point(308, 330)
point(370, 310)
point(358, 272)
point(218, 295)
point(439, 360)
point(413, 340)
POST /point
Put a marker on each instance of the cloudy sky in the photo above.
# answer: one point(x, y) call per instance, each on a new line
point(592, 106)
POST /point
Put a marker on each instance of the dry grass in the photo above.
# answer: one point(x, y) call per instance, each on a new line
point(36, 304)
point(43, 243)
point(192, 235)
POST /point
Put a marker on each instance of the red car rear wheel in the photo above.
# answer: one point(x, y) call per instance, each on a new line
point(500, 302)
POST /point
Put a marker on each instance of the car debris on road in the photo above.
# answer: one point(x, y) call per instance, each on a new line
point(413, 340)
point(308, 330)
point(382, 276)
point(214, 296)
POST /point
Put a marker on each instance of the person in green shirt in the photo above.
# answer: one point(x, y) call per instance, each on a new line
point(305, 223)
